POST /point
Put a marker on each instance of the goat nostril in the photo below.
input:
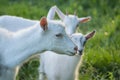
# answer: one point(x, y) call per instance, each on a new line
point(80, 52)
point(76, 48)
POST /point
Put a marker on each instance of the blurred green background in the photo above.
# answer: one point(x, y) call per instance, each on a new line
point(102, 53)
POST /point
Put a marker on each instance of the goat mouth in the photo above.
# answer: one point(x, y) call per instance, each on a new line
point(71, 53)
point(79, 53)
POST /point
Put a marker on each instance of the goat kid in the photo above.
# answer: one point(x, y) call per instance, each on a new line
point(62, 67)
point(16, 47)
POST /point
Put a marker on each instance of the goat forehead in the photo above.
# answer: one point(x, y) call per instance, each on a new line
point(71, 20)
point(73, 17)
point(78, 37)
point(56, 26)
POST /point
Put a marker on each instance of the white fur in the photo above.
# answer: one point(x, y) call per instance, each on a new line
point(14, 23)
point(16, 47)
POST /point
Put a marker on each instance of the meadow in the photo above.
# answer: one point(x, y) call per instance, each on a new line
point(101, 59)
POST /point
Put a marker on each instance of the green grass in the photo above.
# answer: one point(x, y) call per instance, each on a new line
point(102, 53)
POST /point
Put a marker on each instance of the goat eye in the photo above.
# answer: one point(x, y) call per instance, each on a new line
point(59, 35)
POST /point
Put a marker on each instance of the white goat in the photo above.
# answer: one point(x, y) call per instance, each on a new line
point(62, 67)
point(16, 47)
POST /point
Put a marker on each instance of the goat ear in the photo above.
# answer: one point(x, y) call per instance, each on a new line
point(60, 13)
point(90, 35)
point(51, 13)
point(85, 19)
point(43, 23)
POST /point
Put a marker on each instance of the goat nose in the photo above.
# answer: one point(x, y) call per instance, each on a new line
point(80, 52)
point(76, 48)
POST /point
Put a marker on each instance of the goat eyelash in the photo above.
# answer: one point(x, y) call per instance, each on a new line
point(59, 35)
